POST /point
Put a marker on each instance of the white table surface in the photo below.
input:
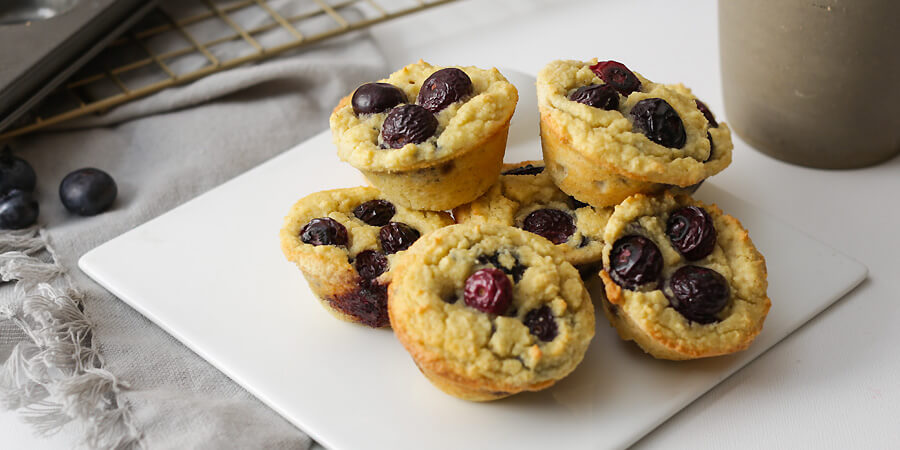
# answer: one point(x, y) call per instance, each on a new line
point(834, 383)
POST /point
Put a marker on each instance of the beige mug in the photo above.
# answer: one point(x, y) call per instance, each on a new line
point(813, 82)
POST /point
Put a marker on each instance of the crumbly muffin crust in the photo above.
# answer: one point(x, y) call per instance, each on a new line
point(329, 268)
point(460, 125)
point(480, 356)
point(646, 316)
point(607, 137)
point(514, 197)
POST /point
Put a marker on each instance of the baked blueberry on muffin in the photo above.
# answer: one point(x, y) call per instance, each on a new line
point(683, 280)
point(428, 137)
point(345, 241)
point(608, 132)
point(525, 197)
point(487, 311)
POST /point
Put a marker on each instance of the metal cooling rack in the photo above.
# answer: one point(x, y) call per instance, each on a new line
point(136, 65)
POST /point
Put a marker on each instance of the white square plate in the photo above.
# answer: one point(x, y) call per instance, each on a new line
point(353, 387)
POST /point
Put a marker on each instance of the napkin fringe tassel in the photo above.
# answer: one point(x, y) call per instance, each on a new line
point(55, 375)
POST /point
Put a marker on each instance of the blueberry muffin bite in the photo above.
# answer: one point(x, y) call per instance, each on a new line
point(428, 137)
point(682, 279)
point(608, 132)
point(487, 311)
point(345, 241)
point(525, 197)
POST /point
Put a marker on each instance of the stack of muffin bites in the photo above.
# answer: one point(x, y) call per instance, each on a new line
point(489, 302)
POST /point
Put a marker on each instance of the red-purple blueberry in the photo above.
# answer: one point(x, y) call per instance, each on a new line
point(618, 76)
point(706, 113)
point(488, 290)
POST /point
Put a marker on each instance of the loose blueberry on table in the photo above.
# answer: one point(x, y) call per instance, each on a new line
point(618, 76)
point(602, 96)
point(88, 191)
point(373, 98)
point(444, 87)
point(699, 294)
point(692, 233)
point(488, 290)
point(408, 124)
point(635, 261)
point(656, 119)
point(396, 237)
point(375, 212)
point(324, 231)
point(18, 209)
point(15, 173)
point(552, 224)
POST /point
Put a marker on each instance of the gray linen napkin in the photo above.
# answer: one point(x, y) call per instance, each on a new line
point(131, 384)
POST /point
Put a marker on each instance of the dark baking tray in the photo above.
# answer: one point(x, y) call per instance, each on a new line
point(38, 55)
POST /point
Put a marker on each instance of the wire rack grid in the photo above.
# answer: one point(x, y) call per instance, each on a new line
point(196, 38)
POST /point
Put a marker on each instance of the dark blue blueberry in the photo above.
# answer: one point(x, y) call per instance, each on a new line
point(444, 87)
point(601, 96)
point(324, 231)
point(699, 294)
point(407, 124)
point(375, 212)
point(372, 98)
point(541, 324)
point(527, 169)
point(88, 191)
point(635, 261)
point(370, 264)
point(15, 173)
point(552, 224)
point(656, 119)
point(692, 232)
point(17, 209)
point(396, 237)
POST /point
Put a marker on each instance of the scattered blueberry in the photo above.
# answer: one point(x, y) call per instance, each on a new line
point(602, 96)
point(367, 303)
point(407, 124)
point(698, 293)
point(324, 231)
point(712, 147)
point(635, 260)
point(553, 224)
point(15, 173)
point(577, 204)
point(488, 290)
point(707, 113)
point(618, 76)
point(527, 169)
point(659, 122)
point(17, 209)
point(692, 232)
point(375, 212)
point(373, 98)
point(88, 191)
point(541, 324)
point(516, 271)
point(370, 264)
point(396, 237)
point(443, 88)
